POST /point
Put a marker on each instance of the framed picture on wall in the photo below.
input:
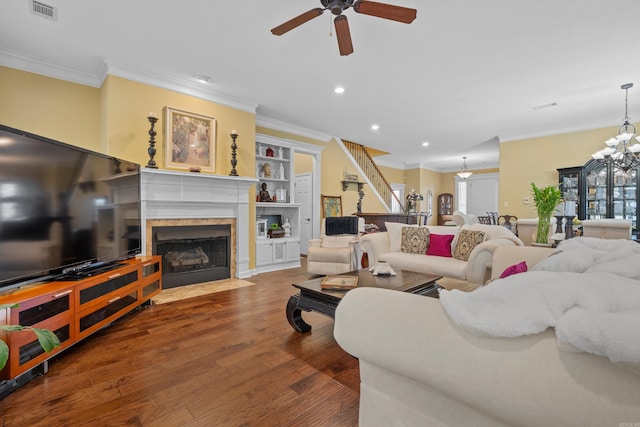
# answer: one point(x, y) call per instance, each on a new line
point(331, 206)
point(190, 141)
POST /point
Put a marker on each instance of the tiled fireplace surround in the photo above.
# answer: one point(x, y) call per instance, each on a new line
point(170, 198)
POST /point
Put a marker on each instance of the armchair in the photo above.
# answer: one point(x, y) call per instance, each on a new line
point(334, 253)
point(460, 218)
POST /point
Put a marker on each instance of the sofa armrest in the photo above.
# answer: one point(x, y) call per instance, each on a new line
point(481, 259)
point(410, 339)
point(503, 257)
point(375, 244)
point(315, 243)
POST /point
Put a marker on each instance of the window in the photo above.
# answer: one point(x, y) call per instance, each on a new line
point(398, 190)
point(461, 195)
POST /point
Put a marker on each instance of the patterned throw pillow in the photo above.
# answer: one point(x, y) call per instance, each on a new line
point(415, 240)
point(467, 241)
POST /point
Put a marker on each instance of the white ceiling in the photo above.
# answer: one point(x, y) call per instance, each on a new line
point(463, 73)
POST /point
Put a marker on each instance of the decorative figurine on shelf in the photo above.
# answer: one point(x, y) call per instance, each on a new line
point(260, 150)
point(269, 152)
point(264, 194)
point(266, 170)
point(280, 152)
point(281, 172)
point(287, 228)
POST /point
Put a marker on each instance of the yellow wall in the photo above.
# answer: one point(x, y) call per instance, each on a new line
point(392, 175)
point(127, 125)
point(112, 120)
point(536, 160)
point(49, 107)
point(303, 163)
point(334, 164)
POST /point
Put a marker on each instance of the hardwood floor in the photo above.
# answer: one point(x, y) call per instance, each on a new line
point(224, 359)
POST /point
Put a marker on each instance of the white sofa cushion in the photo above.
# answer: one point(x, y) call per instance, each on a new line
point(449, 267)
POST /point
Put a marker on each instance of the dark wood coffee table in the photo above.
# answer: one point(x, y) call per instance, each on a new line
point(313, 298)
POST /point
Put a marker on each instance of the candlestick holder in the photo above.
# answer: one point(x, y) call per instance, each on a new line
point(234, 147)
point(152, 143)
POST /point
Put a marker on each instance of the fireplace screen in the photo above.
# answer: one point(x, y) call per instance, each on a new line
point(193, 254)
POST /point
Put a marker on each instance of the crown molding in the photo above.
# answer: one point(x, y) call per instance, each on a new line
point(274, 124)
point(175, 84)
point(50, 68)
point(95, 78)
point(594, 124)
point(388, 163)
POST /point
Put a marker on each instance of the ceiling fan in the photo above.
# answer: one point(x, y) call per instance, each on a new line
point(380, 10)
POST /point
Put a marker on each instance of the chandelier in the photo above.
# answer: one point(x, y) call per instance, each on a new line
point(464, 173)
point(619, 150)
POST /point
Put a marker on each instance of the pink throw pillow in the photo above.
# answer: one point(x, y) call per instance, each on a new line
point(521, 267)
point(440, 245)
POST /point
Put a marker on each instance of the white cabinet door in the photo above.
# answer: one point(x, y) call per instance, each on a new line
point(279, 251)
point(264, 253)
point(293, 250)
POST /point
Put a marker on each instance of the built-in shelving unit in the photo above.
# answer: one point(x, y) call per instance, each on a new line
point(275, 168)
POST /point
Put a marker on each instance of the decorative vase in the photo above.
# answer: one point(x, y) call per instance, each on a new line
point(543, 227)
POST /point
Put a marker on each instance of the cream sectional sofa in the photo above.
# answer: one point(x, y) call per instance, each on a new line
point(469, 274)
point(417, 368)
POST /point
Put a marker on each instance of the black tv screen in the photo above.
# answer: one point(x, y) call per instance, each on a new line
point(63, 208)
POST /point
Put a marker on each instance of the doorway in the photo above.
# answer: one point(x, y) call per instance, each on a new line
point(304, 196)
point(307, 177)
point(477, 194)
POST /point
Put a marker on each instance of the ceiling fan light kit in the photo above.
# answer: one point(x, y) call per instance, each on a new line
point(337, 7)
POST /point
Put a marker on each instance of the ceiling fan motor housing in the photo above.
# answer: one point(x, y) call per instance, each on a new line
point(336, 6)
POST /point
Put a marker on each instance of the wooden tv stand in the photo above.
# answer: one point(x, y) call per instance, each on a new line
point(73, 310)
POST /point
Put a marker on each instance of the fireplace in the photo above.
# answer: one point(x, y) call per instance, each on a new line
point(193, 253)
point(171, 198)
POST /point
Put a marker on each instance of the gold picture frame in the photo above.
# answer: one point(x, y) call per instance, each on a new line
point(331, 206)
point(190, 141)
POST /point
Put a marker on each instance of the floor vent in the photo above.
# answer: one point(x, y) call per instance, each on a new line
point(44, 10)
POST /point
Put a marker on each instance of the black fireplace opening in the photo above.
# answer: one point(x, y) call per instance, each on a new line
point(193, 253)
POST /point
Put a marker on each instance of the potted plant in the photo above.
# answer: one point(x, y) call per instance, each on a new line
point(47, 339)
point(546, 200)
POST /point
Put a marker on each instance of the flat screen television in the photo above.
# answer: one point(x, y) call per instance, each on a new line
point(63, 209)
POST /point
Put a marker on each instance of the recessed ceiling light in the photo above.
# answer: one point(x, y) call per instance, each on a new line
point(339, 89)
point(202, 78)
point(425, 144)
point(375, 127)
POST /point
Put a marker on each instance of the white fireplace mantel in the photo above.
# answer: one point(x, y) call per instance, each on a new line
point(184, 195)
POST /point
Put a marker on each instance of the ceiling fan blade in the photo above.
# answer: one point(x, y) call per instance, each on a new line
point(386, 11)
point(297, 21)
point(343, 35)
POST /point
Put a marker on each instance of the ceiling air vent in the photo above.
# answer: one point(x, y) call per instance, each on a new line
point(44, 10)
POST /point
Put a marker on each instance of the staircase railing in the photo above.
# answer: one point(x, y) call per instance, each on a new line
point(370, 169)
